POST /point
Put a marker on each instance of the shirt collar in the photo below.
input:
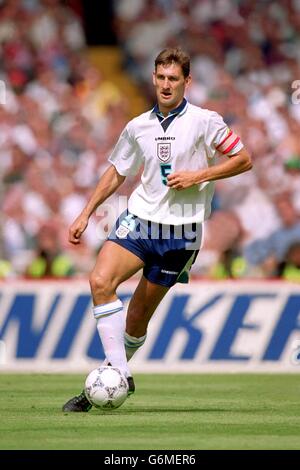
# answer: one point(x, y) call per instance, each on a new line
point(179, 110)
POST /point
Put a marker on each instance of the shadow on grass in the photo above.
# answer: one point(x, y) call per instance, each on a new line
point(155, 410)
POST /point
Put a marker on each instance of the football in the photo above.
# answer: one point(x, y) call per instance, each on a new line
point(106, 387)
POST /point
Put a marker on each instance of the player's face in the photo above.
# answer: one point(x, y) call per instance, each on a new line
point(170, 86)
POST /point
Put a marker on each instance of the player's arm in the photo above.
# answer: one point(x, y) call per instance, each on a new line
point(108, 184)
point(236, 164)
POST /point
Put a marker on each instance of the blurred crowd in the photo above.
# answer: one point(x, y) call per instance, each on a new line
point(59, 120)
point(245, 65)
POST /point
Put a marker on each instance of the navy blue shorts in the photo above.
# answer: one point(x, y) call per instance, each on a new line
point(168, 251)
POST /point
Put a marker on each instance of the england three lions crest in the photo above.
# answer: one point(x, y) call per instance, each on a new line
point(164, 151)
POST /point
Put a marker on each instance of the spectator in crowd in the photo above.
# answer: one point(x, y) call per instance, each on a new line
point(49, 261)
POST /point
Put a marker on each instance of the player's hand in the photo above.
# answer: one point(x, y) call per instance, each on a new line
point(77, 229)
point(181, 180)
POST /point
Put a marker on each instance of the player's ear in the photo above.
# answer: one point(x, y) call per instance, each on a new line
point(188, 81)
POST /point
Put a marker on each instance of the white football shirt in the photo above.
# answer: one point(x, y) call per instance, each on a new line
point(193, 140)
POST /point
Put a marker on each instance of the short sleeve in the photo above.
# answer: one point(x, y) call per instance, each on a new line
point(219, 138)
point(126, 156)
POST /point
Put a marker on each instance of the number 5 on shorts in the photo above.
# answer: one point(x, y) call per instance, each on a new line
point(165, 170)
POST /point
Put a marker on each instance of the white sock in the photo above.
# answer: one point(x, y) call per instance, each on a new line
point(132, 344)
point(111, 328)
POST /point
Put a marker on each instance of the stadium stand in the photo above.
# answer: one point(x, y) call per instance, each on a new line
point(66, 105)
point(245, 58)
point(59, 122)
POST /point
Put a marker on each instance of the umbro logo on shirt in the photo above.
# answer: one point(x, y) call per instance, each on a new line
point(165, 271)
point(165, 138)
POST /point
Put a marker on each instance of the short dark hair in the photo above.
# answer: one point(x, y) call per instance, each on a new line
point(176, 55)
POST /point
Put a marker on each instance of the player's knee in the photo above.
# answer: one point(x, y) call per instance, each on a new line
point(101, 285)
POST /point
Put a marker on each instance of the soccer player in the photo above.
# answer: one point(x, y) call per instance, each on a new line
point(178, 145)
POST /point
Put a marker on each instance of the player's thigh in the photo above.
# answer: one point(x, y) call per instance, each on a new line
point(143, 304)
point(115, 264)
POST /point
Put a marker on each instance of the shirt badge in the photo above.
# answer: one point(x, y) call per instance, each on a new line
point(164, 151)
point(122, 231)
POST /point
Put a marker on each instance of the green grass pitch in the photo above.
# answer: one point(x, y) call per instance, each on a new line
point(195, 411)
